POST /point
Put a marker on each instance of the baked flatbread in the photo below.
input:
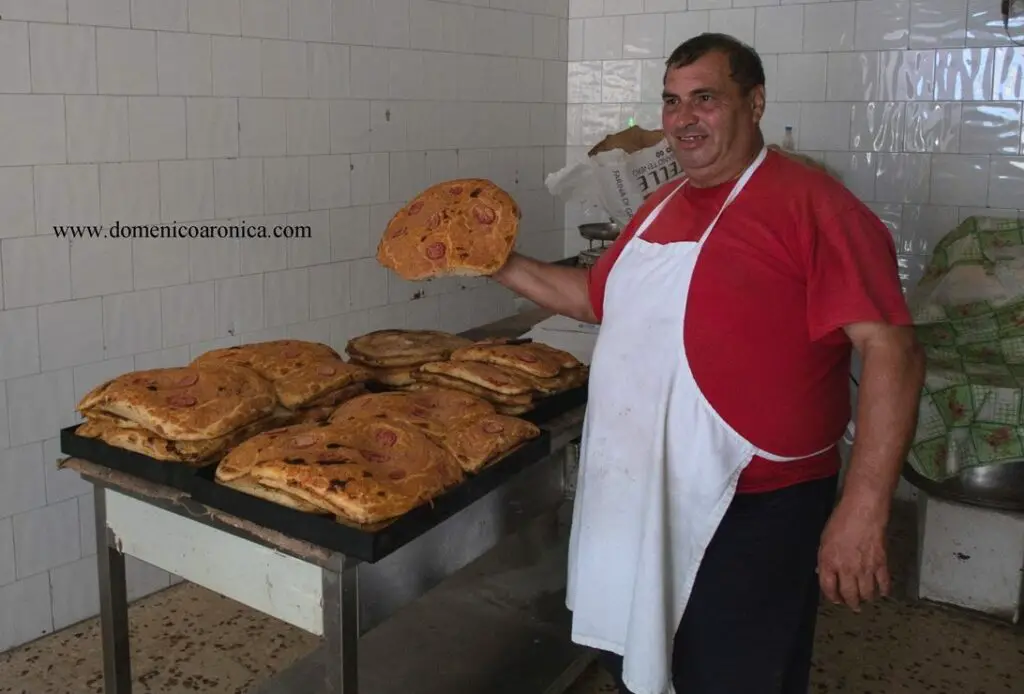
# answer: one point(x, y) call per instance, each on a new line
point(487, 376)
point(434, 411)
point(462, 227)
point(514, 410)
point(485, 439)
point(397, 348)
point(110, 431)
point(533, 358)
point(394, 377)
point(437, 379)
point(567, 379)
point(251, 487)
point(187, 403)
point(366, 471)
point(301, 372)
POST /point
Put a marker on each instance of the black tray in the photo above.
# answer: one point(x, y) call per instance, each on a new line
point(369, 545)
point(175, 475)
point(556, 405)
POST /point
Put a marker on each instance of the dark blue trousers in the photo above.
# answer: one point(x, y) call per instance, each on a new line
point(749, 625)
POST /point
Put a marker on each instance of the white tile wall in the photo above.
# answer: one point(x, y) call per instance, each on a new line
point(917, 103)
point(262, 112)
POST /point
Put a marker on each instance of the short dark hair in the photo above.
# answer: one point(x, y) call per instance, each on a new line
point(745, 64)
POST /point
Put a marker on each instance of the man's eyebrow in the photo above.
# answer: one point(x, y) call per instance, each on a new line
point(693, 92)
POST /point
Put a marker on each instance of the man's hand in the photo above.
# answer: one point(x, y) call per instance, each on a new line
point(852, 562)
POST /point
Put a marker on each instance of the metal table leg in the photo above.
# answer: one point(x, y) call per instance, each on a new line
point(341, 629)
point(117, 674)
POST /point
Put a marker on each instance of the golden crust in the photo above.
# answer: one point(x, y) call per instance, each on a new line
point(393, 348)
point(301, 372)
point(186, 403)
point(110, 430)
point(487, 438)
point(367, 471)
point(249, 486)
point(530, 357)
point(487, 376)
point(394, 378)
point(444, 381)
point(462, 227)
point(434, 411)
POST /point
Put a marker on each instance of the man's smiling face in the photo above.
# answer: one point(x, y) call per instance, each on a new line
point(710, 123)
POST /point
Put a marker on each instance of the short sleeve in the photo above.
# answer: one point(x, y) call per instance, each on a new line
point(853, 274)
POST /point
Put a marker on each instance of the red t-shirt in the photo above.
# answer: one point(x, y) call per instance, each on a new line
point(794, 258)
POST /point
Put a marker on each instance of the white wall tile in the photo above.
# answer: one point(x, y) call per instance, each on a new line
point(14, 56)
point(17, 202)
point(19, 333)
point(26, 606)
point(213, 258)
point(88, 376)
point(882, 25)
point(1006, 182)
point(184, 64)
point(129, 194)
point(285, 297)
point(329, 70)
point(959, 180)
point(829, 27)
point(168, 15)
point(215, 16)
point(264, 18)
point(284, 68)
point(903, 178)
point(22, 479)
point(238, 187)
point(105, 13)
point(35, 10)
point(187, 312)
point(329, 290)
point(211, 127)
point(131, 323)
point(263, 255)
point(310, 20)
point(938, 24)
point(738, 23)
point(964, 74)
point(261, 127)
point(239, 305)
point(97, 128)
point(70, 333)
point(933, 127)
point(7, 572)
point(159, 262)
point(391, 23)
point(308, 127)
point(36, 271)
point(39, 405)
point(778, 29)
point(991, 128)
point(63, 59)
point(285, 184)
point(801, 77)
point(75, 590)
point(101, 266)
point(156, 128)
point(66, 196)
point(126, 61)
point(46, 537)
point(1009, 74)
point(32, 129)
point(236, 66)
point(186, 190)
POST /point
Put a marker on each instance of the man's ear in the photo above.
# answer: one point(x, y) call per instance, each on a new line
point(757, 101)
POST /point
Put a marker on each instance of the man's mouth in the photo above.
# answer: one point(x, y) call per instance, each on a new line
point(691, 140)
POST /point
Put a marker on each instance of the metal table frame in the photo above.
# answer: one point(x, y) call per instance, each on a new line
point(350, 601)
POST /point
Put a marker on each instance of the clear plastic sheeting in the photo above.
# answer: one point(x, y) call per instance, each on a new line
point(968, 312)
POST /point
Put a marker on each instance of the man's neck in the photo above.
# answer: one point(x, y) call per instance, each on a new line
point(731, 172)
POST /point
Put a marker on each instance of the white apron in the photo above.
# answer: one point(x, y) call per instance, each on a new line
point(658, 465)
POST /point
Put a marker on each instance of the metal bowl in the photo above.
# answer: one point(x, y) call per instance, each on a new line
point(999, 486)
point(600, 231)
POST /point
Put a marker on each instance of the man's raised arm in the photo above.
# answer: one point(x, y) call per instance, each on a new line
point(557, 288)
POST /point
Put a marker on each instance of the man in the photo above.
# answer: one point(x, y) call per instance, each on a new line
point(705, 522)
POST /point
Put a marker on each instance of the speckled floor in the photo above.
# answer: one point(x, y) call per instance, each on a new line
point(187, 639)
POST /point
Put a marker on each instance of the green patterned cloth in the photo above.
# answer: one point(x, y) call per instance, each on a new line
point(968, 312)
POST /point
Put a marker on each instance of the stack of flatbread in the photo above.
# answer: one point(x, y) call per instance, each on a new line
point(363, 472)
point(511, 374)
point(309, 378)
point(466, 426)
point(191, 415)
point(393, 355)
point(464, 227)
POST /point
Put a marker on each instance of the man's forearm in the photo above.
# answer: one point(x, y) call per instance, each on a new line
point(560, 289)
point(888, 398)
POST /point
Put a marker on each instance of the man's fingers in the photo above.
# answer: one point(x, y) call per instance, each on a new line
point(884, 581)
point(828, 581)
point(849, 590)
point(866, 586)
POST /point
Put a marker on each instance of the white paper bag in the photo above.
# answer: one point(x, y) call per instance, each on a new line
point(617, 180)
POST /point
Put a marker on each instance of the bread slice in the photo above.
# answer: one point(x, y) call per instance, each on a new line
point(187, 403)
point(529, 357)
point(486, 376)
point(462, 227)
point(393, 348)
point(366, 471)
point(301, 372)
